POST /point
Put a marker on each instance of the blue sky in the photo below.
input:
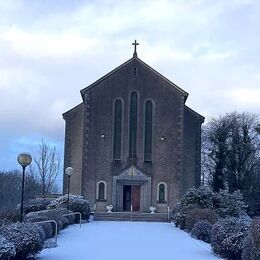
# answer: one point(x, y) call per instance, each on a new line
point(50, 50)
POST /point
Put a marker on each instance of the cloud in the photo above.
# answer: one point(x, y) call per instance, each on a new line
point(250, 97)
point(213, 55)
point(49, 51)
point(42, 44)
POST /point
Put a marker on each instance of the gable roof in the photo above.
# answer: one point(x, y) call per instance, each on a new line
point(72, 110)
point(202, 118)
point(144, 64)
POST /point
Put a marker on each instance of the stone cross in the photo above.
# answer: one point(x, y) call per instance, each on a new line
point(135, 44)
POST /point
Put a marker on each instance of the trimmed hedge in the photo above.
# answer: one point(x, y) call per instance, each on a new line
point(27, 238)
point(77, 204)
point(55, 214)
point(48, 228)
point(36, 205)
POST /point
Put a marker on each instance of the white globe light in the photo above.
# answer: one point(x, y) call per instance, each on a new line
point(24, 159)
point(69, 171)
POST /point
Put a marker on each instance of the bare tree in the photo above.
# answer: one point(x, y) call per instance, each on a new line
point(48, 166)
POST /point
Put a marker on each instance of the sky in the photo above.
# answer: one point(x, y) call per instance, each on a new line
point(50, 50)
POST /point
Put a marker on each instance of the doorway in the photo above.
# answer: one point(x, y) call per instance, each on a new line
point(131, 192)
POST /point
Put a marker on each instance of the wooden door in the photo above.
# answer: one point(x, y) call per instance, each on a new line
point(136, 198)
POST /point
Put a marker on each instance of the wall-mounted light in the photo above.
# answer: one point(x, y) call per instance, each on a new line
point(162, 138)
point(102, 135)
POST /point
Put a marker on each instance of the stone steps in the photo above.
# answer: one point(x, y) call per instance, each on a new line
point(127, 216)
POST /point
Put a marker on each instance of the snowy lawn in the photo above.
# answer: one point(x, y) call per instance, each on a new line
point(126, 240)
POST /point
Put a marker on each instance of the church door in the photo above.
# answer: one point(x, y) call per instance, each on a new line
point(131, 193)
point(136, 198)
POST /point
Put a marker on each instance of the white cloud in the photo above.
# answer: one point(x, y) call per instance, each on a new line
point(43, 44)
point(213, 55)
point(246, 96)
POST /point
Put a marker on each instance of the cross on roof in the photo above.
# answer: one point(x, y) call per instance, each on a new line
point(135, 44)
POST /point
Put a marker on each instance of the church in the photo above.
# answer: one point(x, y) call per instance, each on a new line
point(132, 142)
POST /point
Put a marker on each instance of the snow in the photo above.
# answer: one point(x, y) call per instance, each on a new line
point(126, 240)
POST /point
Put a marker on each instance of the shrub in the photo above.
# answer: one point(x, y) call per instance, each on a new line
point(36, 205)
point(228, 235)
point(9, 217)
point(225, 204)
point(202, 197)
point(179, 215)
point(28, 239)
point(7, 249)
point(48, 228)
point(229, 204)
point(82, 206)
point(251, 245)
point(55, 214)
point(202, 230)
point(247, 248)
point(196, 214)
point(77, 204)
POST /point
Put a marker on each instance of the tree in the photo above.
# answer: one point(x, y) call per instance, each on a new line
point(243, 151)
point(214, 151)
point(231, 154)
point(10, 188)
point(48, 167)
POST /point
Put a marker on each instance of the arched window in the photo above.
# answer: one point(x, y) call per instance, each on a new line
point(133, 125)
point(148, 132)
point(161, 192)
point(118, 107)
point(101, 190)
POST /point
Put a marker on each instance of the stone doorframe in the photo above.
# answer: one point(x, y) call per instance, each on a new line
point(131, 176)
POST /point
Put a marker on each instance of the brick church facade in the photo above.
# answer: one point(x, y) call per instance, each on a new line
point(132, 142)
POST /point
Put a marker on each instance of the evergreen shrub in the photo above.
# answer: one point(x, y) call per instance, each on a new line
point(27, 238)
point(55, 214)
point(202, 230)
point(228, 235)
point(7, 249)
point(251, 245)
point(48, 228)
point(196, 214)
point(36, 205)
point(224, 204)
point(77, 204)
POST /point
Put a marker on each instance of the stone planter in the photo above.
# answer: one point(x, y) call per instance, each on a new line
point(152, 209)
point(109, 208)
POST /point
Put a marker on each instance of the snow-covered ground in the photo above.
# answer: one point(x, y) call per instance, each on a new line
point(125, 241)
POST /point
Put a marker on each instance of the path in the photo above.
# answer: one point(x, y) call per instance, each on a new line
point(125, 241)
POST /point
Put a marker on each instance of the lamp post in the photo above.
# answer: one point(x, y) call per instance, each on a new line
point(68, 172)
point(24, 159)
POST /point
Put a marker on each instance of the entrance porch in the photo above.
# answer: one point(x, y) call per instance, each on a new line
point(131, 191)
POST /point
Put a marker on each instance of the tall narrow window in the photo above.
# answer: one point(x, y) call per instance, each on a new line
point(133, 125)
point(161, 192)
point(117, 129)
point(148, 130)
point(101, 190)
